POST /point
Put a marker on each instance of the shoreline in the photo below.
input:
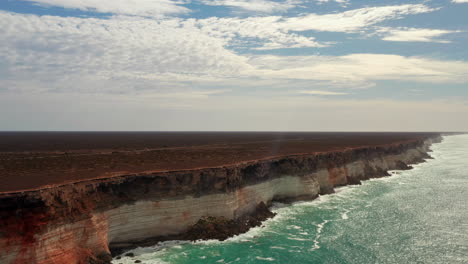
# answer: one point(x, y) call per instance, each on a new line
point(91, 220)
point(219, 222)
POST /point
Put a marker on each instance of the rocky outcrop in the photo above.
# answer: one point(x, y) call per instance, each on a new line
point(221, 228)
point(81, 222)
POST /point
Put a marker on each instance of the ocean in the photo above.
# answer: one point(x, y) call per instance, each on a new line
point(415, 216)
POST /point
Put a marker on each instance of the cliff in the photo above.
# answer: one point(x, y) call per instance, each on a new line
point(80, 222)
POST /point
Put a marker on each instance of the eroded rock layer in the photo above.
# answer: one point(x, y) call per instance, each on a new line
point(80, 222)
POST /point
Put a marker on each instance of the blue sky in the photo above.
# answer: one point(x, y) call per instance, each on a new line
point(298, 65)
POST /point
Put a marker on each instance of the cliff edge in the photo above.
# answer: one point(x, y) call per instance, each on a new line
point(81, 222)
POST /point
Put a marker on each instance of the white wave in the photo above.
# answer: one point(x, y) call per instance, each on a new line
point(319, 233)
point(150, 255)
point(267, 259)
point(253, 233)
point(276, 247)
point(144, 259)
point(132, 261)
point(321, 225)
point(315, 246)
point(278, 205)
point(344, 216)
point(298, 238)
point(294, 227)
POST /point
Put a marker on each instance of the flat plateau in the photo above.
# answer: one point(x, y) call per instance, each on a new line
point(35, 160)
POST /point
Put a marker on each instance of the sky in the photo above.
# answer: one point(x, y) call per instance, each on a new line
point(234, 65)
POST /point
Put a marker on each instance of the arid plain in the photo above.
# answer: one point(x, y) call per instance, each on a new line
point(32, 160)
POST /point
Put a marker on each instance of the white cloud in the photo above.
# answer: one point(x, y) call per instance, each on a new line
point(460, 1)
point(360, 70)
point(276, 32)
point(128, 55)
point(414, 34)
point(170, 7)
point(341, 2)
point(263, 33)
point(263, 6)
point(353, 20)
point(272, 32)
point(122, 7)
point(318, 92)
point(102, 52)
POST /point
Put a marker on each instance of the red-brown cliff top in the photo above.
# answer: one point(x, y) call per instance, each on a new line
point(31, 160)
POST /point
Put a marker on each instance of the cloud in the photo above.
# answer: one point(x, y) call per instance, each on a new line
point(102, 53)
point(276, 32)
point(353, 20)
point(341, 2)
point(263, 6)
point(124, 55)
point(172, 7)
point(361, 70)
point(414, 34)
point(262, 33)
point(338, 1)
point(317, 92)
point(122, 7)
point(257, 33)
point(460, 1)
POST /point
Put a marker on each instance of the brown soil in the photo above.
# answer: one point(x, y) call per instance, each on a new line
point(30, 160)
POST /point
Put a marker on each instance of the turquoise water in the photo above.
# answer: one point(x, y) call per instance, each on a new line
point(416, 216)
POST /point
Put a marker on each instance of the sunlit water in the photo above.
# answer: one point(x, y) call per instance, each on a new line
point(416, 216)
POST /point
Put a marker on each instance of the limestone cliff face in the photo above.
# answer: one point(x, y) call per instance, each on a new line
point(76, 223)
